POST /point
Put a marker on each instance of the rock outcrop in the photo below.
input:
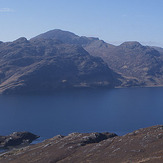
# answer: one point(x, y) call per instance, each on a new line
point(141, 146)
point(16, 139)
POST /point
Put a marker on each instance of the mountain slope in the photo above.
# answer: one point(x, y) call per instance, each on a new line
point(132, 60)
point(139, 65)
point(45, 65)
point(158, 49)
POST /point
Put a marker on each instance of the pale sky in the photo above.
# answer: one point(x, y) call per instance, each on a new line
point(113, 21)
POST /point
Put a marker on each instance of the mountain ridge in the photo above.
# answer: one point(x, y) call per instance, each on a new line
point(45, 65)
point(139, 65)
point(60, 59)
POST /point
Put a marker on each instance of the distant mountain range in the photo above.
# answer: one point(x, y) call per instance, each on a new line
point(45, 65)
point(59, 59)
point(138, 65)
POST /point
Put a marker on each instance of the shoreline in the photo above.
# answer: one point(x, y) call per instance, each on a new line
point(79, 88)
point(142, 144)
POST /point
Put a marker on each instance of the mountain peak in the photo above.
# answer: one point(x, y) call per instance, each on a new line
point(131, 44)
point(57, 34)
point(21, 40)
point(59, 31)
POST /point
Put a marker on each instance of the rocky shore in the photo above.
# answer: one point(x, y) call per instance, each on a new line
point(17, 139)
point(140, 146)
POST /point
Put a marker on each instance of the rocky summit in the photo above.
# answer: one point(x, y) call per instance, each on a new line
point(141, 146)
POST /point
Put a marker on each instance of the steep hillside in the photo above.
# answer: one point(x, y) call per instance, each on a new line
point(59, 59)
point(45, 65)
point(132, 60)
point(139, 65)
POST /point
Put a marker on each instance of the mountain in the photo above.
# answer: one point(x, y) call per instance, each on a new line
point(159, 49)
point(60, 59)
point(139, 65)
point(45, 65)
point(132, 60)
point(66, 37)
point(17, 139)
point(140, 146)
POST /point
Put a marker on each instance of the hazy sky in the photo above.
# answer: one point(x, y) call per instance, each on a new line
point(114, 21)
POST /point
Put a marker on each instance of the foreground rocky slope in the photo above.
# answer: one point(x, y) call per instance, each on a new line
point(139, 65)
point(45, 65)
point(140, 146)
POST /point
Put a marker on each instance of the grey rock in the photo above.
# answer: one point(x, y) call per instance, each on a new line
point(17, 138)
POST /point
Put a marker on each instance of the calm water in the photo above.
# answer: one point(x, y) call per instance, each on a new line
point(115, 110)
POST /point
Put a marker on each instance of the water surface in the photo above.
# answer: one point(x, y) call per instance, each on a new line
point(112, 110)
